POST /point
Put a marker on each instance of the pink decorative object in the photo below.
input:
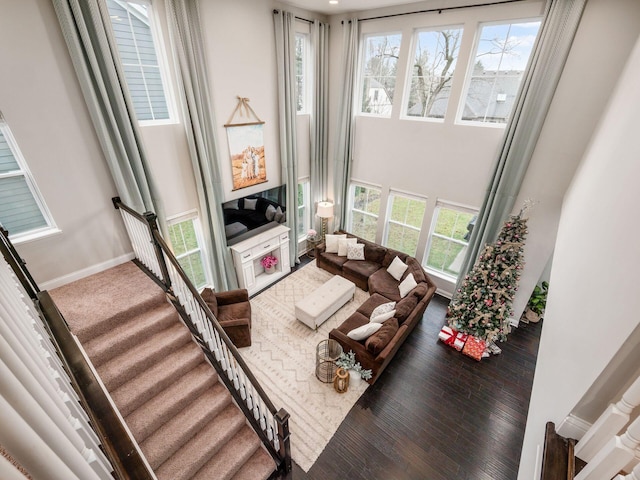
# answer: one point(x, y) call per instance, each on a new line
point(269, 261)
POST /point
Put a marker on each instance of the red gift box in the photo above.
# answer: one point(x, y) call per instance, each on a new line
point(474, 348)
point(452, 337)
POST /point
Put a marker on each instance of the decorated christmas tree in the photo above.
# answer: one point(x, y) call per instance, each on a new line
point(482, 305)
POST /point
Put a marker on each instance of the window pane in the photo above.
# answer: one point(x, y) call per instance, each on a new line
point(364, 226)
point(379, 73)
point(453, 224)
point(19, 212)
point(7, 160)
point(501, 57)
point(132, 31)
point(432, 72)
point(184, 240)
point(446, 256)
point(192, 266)
point(402, 238)
point(301, 60)
point(365, 202)
point(408, 211)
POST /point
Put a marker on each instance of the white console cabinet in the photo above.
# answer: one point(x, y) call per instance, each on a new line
point(248, 253)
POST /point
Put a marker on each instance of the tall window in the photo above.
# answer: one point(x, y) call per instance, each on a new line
point(502, 54)
point(23, 212)
point(364, 211)
point(448, 239)
point(404, 220)
point(379, 68)
point(186, 239)
point(303, 208)
point(434, 63)
point(302, 73)
point(134, 34)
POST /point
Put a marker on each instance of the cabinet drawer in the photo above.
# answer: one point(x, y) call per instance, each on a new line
point(264, 247)
point(244, 256)
point(284, 237)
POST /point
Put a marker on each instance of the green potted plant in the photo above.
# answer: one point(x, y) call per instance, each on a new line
point(537, 302)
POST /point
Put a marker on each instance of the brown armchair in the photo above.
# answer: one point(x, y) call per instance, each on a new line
point(233, 311)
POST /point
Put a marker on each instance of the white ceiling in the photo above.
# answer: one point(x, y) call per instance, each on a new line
point(343, 6)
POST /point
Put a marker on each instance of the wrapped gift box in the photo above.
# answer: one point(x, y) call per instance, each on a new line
point(474, 348)
point(452, 337)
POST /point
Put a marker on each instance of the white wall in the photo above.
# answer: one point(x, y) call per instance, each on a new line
point(42, 103)
point(593, 304)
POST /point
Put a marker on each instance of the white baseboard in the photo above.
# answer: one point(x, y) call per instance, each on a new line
point(85, 272)
point(573, 427)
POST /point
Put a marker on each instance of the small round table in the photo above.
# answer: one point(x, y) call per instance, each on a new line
point(327, 352)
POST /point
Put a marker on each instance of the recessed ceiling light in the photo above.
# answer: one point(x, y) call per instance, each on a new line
point(333, 2)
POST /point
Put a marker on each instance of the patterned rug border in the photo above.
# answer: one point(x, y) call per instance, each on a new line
point(282, 357)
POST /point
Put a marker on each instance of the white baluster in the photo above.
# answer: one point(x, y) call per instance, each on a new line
point(616, 453)
point(609, 424)
point(634, 475)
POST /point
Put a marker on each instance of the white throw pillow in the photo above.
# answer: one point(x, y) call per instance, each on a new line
point(383, 317)
point(342, 245)
point(232, 205)
point(355, 251)
point(270, 213)
point(250, 203)
point(331, 242)
point(279, 216)
point(397, 268)
point(407, 285)
point(363, 332)
point(384, 308)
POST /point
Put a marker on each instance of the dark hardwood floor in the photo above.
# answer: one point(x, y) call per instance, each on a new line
point(436, 414)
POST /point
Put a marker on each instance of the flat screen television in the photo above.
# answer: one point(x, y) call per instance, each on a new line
point(247, 216)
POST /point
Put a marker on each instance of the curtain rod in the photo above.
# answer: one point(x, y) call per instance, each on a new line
point(439, 10)
point(296, 17)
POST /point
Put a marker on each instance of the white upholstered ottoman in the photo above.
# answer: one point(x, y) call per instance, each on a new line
point(314, 309)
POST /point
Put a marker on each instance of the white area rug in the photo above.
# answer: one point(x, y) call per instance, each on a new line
point(282, 357)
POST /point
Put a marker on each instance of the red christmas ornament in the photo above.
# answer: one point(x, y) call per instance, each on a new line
point(488, 302)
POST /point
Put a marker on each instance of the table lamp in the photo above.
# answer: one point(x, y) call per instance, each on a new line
point(325, 212)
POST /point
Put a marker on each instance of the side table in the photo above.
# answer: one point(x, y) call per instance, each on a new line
point(327, 352)
point(311, 248)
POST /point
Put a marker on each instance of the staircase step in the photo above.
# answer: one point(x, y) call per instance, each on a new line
point(126, 335)
point(169, 438)
point(227, 435)
point(150, 383)
point(259, 467)
point(168, 403)
point(147, 353)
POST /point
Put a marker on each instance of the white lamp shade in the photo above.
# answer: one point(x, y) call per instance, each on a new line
point(325, 210)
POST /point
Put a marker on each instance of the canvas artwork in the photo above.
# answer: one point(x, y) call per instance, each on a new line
point(246, 146)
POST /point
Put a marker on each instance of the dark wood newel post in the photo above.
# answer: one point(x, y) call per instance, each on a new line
point(282, 417)
point(152, 221)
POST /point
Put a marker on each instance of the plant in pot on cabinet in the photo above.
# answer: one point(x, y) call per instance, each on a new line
point(537, 303)
point(269, 263)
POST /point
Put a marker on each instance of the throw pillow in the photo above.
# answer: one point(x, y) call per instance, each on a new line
point(270, 212)
point(331, 242)
point(342, 245)
point(279, 216)
point(363, 332)
point(380, 339)
point(384, 308)
point(383, 317)
point(407, 285)
point(397, 268)
point(232, 205)
point(250, 203)
point(355, 251)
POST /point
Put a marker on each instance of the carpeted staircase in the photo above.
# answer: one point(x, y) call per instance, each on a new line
point(182, 417)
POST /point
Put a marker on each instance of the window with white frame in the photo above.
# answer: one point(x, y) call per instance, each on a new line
point(501, 56)
point(303, 208)
point(137, 42)
point(379, 70)
point(431, 74)
point(405, 214)
point(448, 239)
point(23, 212)
point(185, 236)
point(364, 208)
point(303, 78)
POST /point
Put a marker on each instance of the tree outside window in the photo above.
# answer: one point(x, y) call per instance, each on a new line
point(364, 211)
point(302, 77)
point(450, 233)
point(380, 61)
point(502, 54)
point(404, 221)
point(435, 56)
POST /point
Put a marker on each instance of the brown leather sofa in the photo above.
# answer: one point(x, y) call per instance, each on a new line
point(371, 274)
point(233, 311)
